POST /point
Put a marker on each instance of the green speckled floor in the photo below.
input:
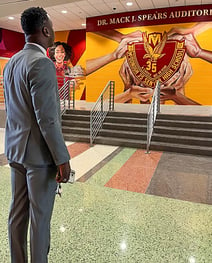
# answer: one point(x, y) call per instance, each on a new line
point(93, 223)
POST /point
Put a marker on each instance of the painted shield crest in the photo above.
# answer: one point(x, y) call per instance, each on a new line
point(155, 58)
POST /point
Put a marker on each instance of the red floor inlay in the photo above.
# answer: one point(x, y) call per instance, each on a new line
point(135, 175)
point(77, 148)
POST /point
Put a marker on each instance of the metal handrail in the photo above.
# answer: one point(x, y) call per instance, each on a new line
point(1, 90)
point(103, 105)
point(154, 109)
point(67, 94)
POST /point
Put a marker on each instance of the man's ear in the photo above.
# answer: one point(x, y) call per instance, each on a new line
point(45, 31)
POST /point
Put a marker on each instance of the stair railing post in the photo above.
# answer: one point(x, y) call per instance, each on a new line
point(111, 105)
point(102, 107)
point(69, 93)
point(73, 94)
point(152, 114)
point(158, 97)
point(64, 93)
point(91, 129)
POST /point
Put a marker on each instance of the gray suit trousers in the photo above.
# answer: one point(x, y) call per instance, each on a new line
point(33, 195)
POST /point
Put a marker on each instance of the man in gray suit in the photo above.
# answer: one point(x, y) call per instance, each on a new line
point(34, 144)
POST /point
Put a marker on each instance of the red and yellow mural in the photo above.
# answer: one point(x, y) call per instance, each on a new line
point(70, 55)
point(179, 55)
point(70, 43)
point(137, 49)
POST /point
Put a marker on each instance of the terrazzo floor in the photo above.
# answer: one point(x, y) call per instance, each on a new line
point(126, 206)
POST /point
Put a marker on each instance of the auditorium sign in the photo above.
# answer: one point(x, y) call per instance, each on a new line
point(172, 15)
point(155, 58)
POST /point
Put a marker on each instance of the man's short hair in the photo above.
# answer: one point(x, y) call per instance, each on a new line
point(33, 19)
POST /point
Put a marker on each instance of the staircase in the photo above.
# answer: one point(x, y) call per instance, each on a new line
point(183, 134)
point(122, 129)
point(174, 133)
point(76, 125)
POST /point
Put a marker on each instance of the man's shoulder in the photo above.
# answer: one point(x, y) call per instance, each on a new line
point(41, 64)
point(29, 56)
point(16, 55)
point(13, 60)
point(43, 60)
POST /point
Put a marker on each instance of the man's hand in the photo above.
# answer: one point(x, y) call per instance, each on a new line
point(63, 173)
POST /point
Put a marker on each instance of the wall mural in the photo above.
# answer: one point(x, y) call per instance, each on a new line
point(178, 55)
point(137, 49)
point(66, 57)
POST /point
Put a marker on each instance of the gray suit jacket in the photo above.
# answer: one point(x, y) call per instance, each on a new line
point(33, 133)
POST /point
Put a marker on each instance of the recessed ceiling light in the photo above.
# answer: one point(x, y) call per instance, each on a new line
point(129, 3)
point(83, 24)
point(64, 11)
point(11, 17)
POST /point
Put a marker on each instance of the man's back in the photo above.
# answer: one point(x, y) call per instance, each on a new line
point(30, 80)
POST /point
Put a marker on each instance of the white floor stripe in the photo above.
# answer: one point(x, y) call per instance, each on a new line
point(83, 162)
point(90, 158)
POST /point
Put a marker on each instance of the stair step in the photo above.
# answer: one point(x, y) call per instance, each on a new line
point(75, 130)
point(123, 134)
point(184, 124)
point(76, 117)
point(191, 149)
point(121, 126)
point(77, 112)
point(127, 114)
point(184, 117)
point(69, 123)
point(183, 131)
point(76, 137)
point(127, 120)
point(182, 140)
point(120, 142)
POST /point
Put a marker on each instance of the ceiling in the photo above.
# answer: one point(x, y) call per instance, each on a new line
point(77, 11)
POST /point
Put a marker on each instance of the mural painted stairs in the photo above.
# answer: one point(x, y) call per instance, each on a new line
point(174, 133)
